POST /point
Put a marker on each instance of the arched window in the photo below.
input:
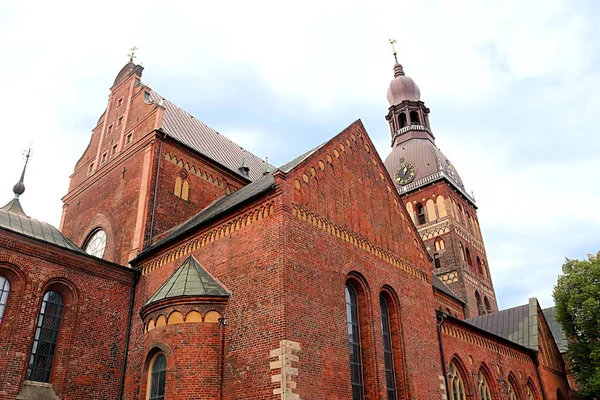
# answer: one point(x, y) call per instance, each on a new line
point(4, 290)
point(356, 377)
point(480, 308)
point(468, 257)
point(390, 376)
point(420, 214)
point(462, 251)
point(158, 376)
point(488, 306)
point(439, 244)
point(46, 337)
point(402, 120)
point(484, 388)
point(455, 381)
point(96, 243)
point(513, 393)
point(436, 261)
point(479, 266)
point(530, 392)
point(182, 186)
point(414, 118)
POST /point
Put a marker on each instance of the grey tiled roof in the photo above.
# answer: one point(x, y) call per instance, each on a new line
point(441, 286)
point(190, 279)
point(183, 127)
point(517, 324)
point(13, 218)
point(559, 335)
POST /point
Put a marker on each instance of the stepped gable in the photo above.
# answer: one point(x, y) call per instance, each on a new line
point(189, 280)
point(195, 134)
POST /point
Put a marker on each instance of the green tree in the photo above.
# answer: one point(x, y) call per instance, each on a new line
point(577, 298)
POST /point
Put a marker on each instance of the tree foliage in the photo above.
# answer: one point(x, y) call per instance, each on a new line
point(577, 298)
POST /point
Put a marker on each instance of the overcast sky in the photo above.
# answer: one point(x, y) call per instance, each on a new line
point(513, 89)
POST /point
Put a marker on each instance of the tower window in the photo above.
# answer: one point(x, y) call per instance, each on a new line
point(128, 138)
point(104, 157)
point(480, 308)
point(114, 149)
point(480, 268)
point(120, 102)
point(390, 376)
point(356, 378)
point(90, 168)
point(436, 261)
point(414, 118)
point(110, 128)
point(439, 244)
point(420, 214)
point(96, 244)
point(488, 306)
point(4, 290)
point(120, 121)
point(402, 120)
point(158, 377)
point(468, 257)
point(46, 337)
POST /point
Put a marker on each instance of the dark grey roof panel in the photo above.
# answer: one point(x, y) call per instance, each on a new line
point(512, 324)
point(557, 332)
point(217, 208)
point(183, 127)
point(190, 279)
point(441, 286)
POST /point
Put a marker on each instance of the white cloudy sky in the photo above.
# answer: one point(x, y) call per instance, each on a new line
point(512, 85)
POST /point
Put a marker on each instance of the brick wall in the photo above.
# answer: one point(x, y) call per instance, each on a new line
point(90, 350)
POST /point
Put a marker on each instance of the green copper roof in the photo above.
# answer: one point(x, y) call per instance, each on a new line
point(190, 279)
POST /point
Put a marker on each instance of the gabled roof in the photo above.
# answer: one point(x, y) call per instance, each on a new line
point(195, 134)
point(190, 279)
point(441, 286)
point(517, 324)
point(557, 332)
point(13, 218)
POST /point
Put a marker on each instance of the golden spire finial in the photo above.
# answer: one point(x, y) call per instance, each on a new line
point(132, 55)
point(392, 42)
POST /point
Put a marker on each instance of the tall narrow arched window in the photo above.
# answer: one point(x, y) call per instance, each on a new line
point(530, 392)
point(439, 244)
point(46, 337)
point(488, 306)
point(420, 214)
point(436, 261)
point(158, 377)
point(479, 266)
point(484, 388)
point(402, 120)
point(480, 308)
point(4, 290)
point(414, 118)
point(356, 377)
point(559, 395)
point(513, 394)
point(468, 257)
point(462, 251)
point(455, 381)
point(390, 376)
point(95, 245)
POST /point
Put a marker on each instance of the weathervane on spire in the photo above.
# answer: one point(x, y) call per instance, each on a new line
point(132, 55)
point(19, 188)
point(392, 42)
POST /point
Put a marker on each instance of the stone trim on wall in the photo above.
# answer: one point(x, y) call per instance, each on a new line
point(283, 362)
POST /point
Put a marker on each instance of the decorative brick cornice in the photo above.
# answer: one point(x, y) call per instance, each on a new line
point(357, 241)
point(195, 170)
point(469, 337)
point(226, 228)
point(463, 233)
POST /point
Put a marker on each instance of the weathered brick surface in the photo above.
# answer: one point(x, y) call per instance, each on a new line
point(91, 344)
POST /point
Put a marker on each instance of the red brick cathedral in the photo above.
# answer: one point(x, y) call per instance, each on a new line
point(187, 268)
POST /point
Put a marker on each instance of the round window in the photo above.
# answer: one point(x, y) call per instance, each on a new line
point(96, 244)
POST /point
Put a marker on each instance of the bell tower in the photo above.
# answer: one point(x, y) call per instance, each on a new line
point(443, 211)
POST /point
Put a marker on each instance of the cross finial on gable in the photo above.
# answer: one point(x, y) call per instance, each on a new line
point(132, 55)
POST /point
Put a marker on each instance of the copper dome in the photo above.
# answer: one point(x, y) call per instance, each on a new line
point(426, 158)
point(402, 88)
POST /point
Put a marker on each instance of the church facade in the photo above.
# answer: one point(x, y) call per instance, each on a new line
point(185, 267)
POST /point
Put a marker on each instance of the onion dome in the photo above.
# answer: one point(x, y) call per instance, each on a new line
point(402, 88)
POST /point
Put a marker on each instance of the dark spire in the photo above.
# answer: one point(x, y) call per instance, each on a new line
point(245, 169)
point(14, 205)
point(267, 167)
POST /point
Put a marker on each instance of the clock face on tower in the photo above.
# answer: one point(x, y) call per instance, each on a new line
point(405, 173)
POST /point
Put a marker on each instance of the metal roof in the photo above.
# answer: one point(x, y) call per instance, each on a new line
point(517, 324)
point(195, 134)
point(12, 218)
point(557, 332)
point(190, 279)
